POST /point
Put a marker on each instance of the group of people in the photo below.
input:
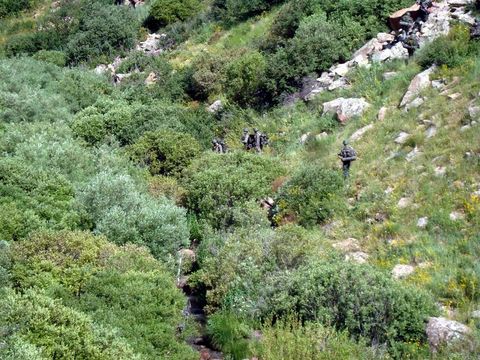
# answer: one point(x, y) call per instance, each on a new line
point(407, 34)
point(256, 141)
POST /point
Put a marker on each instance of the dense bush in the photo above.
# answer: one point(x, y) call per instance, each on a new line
point(363, 301)
point(311, 195)
point(235, 10)
point(118, 209)
point(289, 339)
point(9, 7)
point(216, 184)
point(104, 31)
point(120, 287)
point(51, 56)
point(450, 50)
point(37, 325)
point(165, 152)
point(165, 12)
point(244, 77)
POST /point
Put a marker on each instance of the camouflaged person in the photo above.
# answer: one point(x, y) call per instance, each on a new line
point(475, 30)
point(407, 23)
point(347, 155)
point(257, 135)
point(245, 138)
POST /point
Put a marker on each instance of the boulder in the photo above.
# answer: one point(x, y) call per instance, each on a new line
point(340, 83)
point(402, 271)
point(419, 83)
point(441, 331)
point(474, 112)
point(382, 113)
point(456, 215)
point(215, 107)
point(357, 135)
point(402, 138)
point(341, 69)
point(370, 47)
point(384, 37)
point(431, 131)
point(414, 104)
point(346, 108)
point(304, 138)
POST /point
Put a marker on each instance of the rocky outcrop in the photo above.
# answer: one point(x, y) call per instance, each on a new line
point(152, 45)
point(441, 331)
point(419, 83)
point(346, 108)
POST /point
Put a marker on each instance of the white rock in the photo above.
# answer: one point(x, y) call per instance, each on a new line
point(357, 135)
point(101, 69)
point(346, 108)
point(304, 138)
point(326, 79)
point(456, 215)
point(441, 331)
point(438, 84)
point(402, 138)
point(341, 69)
point(474, 112)
point(418, 84)
point(367, 49)
point(384, 37)
point(215, 107)
point(382, 113)
point(476, 314)
point(389, 190)
point(440, 171)
point(359, 257)
point(151, 79)
point(360, 60)
point(402, 271)
point(454, 96)
point(404, 203)
point(465, 128)
point(389, 75)
point(341, 83)
point(321, 136)
point(422, 222)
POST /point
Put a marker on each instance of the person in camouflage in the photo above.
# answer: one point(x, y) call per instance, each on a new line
point(347, 155)
point(407, 23)
point(475, 30)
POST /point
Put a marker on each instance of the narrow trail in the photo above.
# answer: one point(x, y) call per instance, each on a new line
point(195, 310)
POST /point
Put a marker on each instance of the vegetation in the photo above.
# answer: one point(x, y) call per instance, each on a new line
point(107, 188)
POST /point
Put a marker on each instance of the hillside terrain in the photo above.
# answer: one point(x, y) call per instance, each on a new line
point(127, 233)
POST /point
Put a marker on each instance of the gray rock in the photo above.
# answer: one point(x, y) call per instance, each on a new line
point(357, 135)
point(370, 47)
point(438, 84)
point(341, 69)
point(475, 314)
point(304, 138)
point(101, 69)
point(440, 171)
point(474, 112)
point(402, 138)
point(402, 271)
point(431, 131)
point(321, 136)
point(382, 113)
point(341, 83)
point(456, 215)
point(414, 104)
point(413, 154)
point(441, 331)
point(346, 108)
point(384, 37)
point(419, 83)
point(152, 45)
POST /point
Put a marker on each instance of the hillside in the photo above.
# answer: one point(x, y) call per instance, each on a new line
point(123, 235)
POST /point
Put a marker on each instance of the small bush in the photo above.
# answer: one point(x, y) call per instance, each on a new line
point(216, 184)
point(289, 339)
point(10, 7)
point(165, 12)
point(359, 299)
point(165, 152)
point(54, 57)
point(448, 50)
point(312, 195)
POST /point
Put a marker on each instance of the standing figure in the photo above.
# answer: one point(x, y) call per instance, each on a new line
point(411, 43)
point(475, 30)
point(347, 155)
point(258, 140)
point(425, 5)
point(245, 139)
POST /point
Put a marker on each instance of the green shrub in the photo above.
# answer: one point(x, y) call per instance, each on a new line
point(5, 263)
point(289, 340)
point(166, 12)
point(117, 208)
point(165, 152)
point(207, 76)
point(54, 57)
point(235, 10)
point(10, 7)
point(244, 76)
point(104, 30)
point(120, 287)
point(312, 195)
point(216, 184)
point(359, 299)
point(229, 334)
point(55, 331)
point(448, 50)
